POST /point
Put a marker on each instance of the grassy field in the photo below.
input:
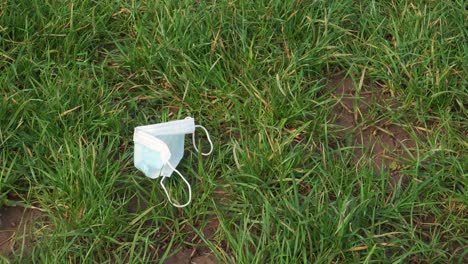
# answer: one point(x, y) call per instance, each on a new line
point(339, 130)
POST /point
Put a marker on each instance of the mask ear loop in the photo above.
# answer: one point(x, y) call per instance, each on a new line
point(167, 193)
point(207, 136)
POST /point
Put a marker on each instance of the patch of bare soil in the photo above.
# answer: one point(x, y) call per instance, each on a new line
point(369, 132)
point(200, 253)
point(181, 257)
point(15, 231)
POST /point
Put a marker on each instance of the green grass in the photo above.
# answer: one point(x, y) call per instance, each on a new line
point(76, 78)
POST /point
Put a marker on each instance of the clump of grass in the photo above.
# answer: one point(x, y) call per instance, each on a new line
point(78, 77)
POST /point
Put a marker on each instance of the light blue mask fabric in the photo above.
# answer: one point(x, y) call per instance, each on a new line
point(159, 149)
point(147, 160)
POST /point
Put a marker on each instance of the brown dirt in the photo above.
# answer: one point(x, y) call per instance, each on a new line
point(390, 146)
point(184, 257)
point(181, 257)
point(15, 228)
point(207, 259)
point(136, 204)
point(200, 253)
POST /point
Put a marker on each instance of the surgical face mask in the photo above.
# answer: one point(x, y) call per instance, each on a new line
point(160, 147)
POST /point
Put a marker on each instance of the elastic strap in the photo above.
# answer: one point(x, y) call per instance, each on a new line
point(207, 136)
point(167, 193)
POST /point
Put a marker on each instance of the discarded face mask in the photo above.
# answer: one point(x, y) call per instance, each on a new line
point(160, 147)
